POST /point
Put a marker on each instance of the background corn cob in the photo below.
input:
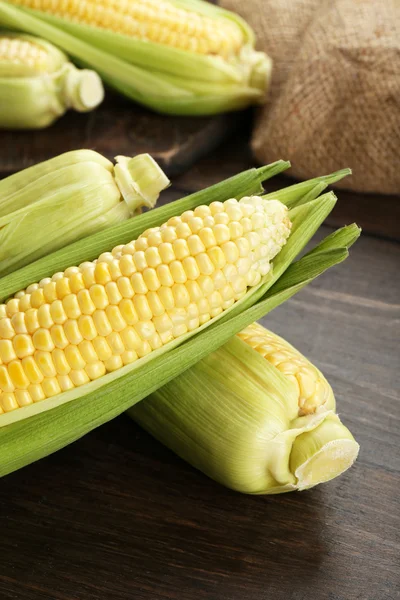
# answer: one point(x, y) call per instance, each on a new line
point(255, 415)
point(31, 432)
point(176, 56)
point(38, 83)
point(69, 197)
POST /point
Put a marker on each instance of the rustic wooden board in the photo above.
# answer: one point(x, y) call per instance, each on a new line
point(117, 516)
point(119, 127)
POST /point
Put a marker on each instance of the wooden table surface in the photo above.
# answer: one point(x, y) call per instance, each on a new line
point(116, 516)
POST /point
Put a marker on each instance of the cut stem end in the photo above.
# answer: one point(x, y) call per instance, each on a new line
point(323, 453)
point(82, 89)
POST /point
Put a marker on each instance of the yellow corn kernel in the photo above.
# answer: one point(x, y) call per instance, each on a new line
point(127, 265)
point(6, 385)
point(32, 370)
point(76, 282)
point(18, 323)
point(88, 352)
point(85, 302)
point(95, 370)
point(8, 401)
point(72, 332)
point(113, 293)
point(60, 362)
point(36, 392)
point(87, 327)
point(152, 254)
point(65, 383)
point(44, 316)
point(102, 348)
point(24, 345)
point(130, 338)
point(151, 280)
point(116, 344)
point(23, 398)
point(50, 292)
point(115, 318)
point(62, 287)
point(164, 275)
point(51, 387)
point(12, 307)
point(74, 357)
point(113, 363)
point(125, 287)
point(138, 284)
point(102, 273)
point(99, 296)
point(142, 308)
point(6, 329)
point(7, 352)
point(42, 340)
point(156, 306)
point(17, 375)
point(71, 306)
point(101, 323)
point(79, 377)
point(58, 336)
point(45, 363)
point(57, 312)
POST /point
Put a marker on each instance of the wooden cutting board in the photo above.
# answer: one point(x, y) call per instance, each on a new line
point(119, 127)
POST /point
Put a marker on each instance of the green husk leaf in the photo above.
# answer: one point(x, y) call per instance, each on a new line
point(303, 192)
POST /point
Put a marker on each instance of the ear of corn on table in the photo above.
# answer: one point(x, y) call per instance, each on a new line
point(68, 197)
point(38, 84)
point(255, 415)
point(175, 56)
point(84, 345)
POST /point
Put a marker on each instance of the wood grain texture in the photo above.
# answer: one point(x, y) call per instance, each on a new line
point(118, 127)
point(118, 517)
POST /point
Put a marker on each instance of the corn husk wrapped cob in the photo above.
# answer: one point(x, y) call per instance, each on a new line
point(38, 84)
point(69, 197)
point(255, 415)
point(31, 425)
point(175, 56)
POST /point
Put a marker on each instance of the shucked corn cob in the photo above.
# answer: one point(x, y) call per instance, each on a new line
point(177, 56)
point(38, 83)
point(93, 319)
point(258, 425)
point(34, 431)
point(69, 197)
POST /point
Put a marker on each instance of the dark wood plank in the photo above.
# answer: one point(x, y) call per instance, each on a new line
point(118, 127)
point(116, 516)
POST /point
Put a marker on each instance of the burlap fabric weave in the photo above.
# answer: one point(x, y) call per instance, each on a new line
point(335, 93)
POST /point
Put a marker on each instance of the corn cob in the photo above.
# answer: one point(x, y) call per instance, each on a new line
point(93, 319)
point(33, 431)
point(208, 61)
point(68, 197)
point(38, 83)
point(255, 415)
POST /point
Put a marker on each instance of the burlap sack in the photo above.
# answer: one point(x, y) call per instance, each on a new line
point(335, 93)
